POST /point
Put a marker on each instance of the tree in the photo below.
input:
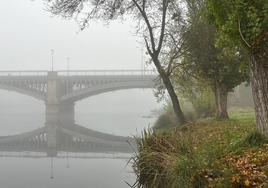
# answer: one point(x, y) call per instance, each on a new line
point(221, 66)
point(158, 21)
point(198, 92)
point(246, 22)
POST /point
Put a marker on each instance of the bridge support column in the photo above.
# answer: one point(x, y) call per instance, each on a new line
point(51, 112)
point(58, 114)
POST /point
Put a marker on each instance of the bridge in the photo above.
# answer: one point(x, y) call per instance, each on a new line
point(60, 90)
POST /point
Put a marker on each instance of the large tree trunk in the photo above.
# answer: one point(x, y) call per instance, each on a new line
point(221, 94)
point(259, 83)
point(173, 96)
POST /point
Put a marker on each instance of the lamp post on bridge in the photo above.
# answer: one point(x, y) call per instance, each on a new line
point(52, 59)
point(68, 65)
point(142, 61)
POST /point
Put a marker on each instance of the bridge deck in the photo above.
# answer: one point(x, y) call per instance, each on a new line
point(77, 72)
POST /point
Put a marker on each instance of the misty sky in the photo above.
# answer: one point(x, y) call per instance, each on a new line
point(28, 33)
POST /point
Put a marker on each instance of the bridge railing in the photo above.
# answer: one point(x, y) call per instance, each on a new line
point(80, 72)
point(24, 73)
point(106, 72)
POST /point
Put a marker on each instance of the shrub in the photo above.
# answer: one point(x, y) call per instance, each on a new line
point(164, 160)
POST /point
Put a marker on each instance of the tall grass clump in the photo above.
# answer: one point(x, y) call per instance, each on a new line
point(163, 160)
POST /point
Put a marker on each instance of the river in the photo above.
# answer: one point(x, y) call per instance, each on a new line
point(122, 113)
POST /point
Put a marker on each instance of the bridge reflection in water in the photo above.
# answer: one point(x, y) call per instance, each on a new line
point(60, 90)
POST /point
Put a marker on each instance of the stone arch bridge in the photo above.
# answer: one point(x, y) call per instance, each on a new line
point(60, 90)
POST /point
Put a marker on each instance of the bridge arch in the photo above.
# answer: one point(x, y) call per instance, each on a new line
point(104, 88)
point(23, 92)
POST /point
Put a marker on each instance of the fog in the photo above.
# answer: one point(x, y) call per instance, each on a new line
point(28, 34)
point(126, 109)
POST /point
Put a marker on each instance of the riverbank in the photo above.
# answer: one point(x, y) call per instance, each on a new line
point(207, 153)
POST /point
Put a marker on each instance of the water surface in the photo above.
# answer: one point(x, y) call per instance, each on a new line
point(119, 113)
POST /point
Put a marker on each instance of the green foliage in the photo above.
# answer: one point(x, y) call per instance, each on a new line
point(198, 93)
point(243, 21)
point(166, 120)
point(223, 65)
point(204, 104)
point(195, 105)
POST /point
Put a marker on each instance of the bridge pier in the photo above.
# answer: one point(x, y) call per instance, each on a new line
point(61, 114)
point(58, 114)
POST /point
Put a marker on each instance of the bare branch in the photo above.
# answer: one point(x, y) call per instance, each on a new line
point(148, 47)
point(163, 26)
point(144, 15)
point(241, 34)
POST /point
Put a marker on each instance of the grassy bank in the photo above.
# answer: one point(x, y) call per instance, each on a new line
point(207, 153)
